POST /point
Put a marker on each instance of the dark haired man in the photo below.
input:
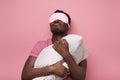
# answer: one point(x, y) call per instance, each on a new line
point(59, 26)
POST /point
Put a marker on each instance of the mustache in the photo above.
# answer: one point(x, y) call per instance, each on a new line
point(57, 32)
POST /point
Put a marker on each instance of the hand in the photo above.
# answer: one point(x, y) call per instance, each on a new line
point(59, 70)
point(61, 46)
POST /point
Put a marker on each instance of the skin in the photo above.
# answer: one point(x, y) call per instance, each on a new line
point(77, 71)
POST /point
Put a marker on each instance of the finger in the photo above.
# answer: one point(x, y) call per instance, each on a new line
point(63, 75)
point(60, 41)
point(55, 42)
point(53, 46)
point(62, 61)
point(64, 41)
point(65, 72)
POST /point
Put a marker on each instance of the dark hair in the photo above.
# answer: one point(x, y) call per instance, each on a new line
point(60, 11)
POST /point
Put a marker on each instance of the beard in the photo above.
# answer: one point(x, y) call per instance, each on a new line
point(57, 31)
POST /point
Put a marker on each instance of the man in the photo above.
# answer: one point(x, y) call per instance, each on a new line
point(59, 28)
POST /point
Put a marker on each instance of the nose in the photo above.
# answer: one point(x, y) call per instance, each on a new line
point(56, 21)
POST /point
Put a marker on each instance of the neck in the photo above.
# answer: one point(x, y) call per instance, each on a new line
point(57, 37)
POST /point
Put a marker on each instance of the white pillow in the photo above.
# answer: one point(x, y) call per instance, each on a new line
point(49, 56)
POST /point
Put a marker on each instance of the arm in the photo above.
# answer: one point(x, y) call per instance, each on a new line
point(29, 72)
point(78, 72)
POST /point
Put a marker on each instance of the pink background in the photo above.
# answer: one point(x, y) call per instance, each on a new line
point(24, 22)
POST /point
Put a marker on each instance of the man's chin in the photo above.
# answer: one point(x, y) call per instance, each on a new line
point(56, 32)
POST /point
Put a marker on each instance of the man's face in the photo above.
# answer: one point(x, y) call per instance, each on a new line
point(58, 27)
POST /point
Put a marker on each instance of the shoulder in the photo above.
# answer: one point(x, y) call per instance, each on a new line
point(39, 46)
point(43, 42)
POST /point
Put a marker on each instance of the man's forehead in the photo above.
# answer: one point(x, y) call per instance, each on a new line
point(59, 16)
